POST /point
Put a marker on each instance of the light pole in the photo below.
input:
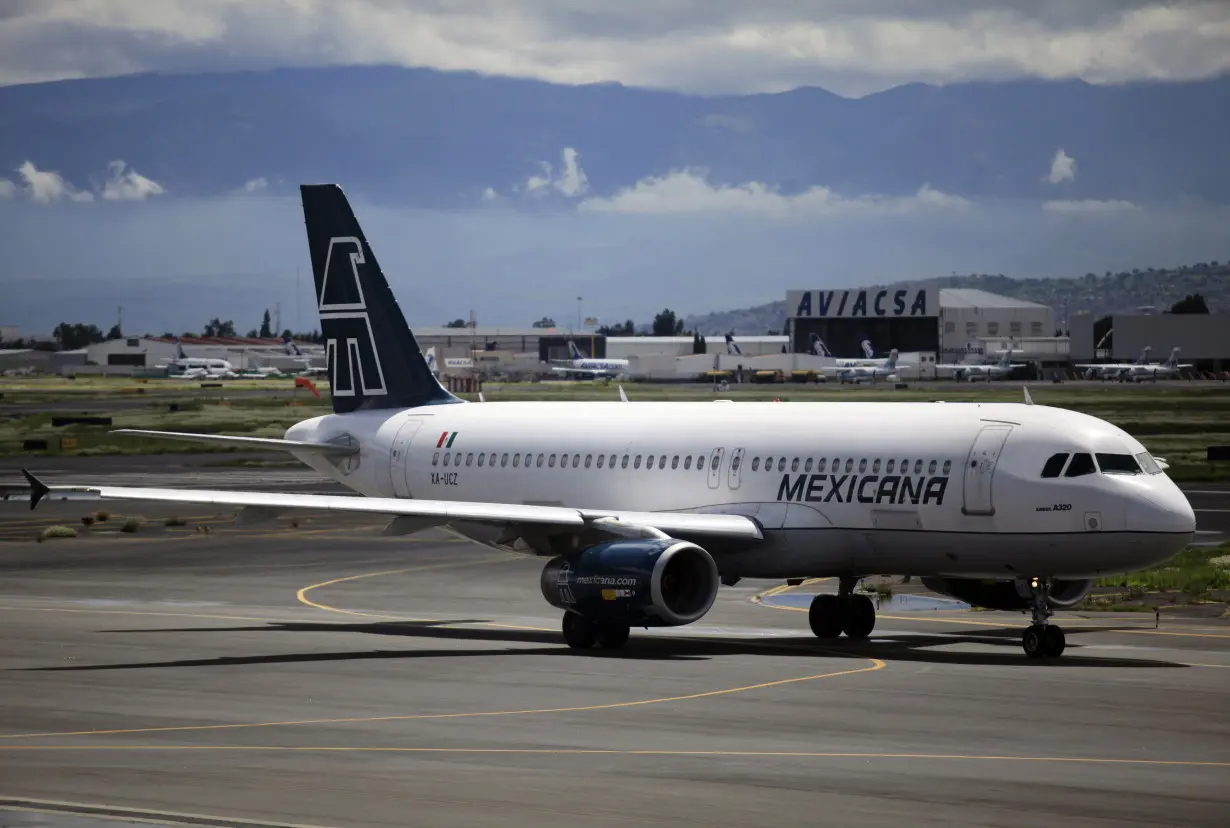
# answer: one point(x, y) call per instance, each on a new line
point(578, 314)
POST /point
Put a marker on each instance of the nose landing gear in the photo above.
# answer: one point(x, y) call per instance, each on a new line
point(1042, 639)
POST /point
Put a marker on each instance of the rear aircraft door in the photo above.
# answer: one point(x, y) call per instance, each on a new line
point(980, 469)
point(736, 461)
point(715, 468)
point(399, 463)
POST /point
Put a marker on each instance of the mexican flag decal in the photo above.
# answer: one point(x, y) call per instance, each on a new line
point(446, 439)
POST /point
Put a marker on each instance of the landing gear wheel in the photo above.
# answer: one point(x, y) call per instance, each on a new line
point(1053, 641)
point(1033, 641)
point(612, 636)
point(579, 632)
point(859, 616)
point(825, 615)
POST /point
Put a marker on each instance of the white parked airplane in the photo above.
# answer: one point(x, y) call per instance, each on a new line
point(1169, 368)
point(1114, 370)
point(988, 372)
point(183, 366)
point(886, 369)
point(583, 366)
point(643, 508)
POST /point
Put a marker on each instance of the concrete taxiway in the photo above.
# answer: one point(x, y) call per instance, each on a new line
point(319, 674)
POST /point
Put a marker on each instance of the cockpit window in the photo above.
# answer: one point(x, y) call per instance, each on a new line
point(1118, 464)
point(1081, 464)
point(1055, 465)
point(1148, 463)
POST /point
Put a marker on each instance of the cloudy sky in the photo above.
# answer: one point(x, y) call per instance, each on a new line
point(712, 46)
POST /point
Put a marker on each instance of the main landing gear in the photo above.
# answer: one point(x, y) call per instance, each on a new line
point(580, 633)
point(830, 615)
point(1042, 639)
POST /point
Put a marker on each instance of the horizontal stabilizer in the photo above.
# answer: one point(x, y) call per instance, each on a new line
point(254, 443)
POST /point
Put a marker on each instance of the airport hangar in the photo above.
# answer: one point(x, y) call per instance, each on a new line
point(1203, 339)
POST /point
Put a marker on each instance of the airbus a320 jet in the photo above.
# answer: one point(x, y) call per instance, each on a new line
point(640, 510)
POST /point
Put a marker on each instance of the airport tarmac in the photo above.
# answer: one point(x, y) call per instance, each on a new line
point(323, 675)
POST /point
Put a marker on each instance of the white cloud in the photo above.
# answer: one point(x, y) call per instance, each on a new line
point(571, 181)
point(489, 194)
point(255, 185)
point(689, 191)
point(1089, 206)
point(126, 184)
point(45, 187)
point(7, 188)
point(1063, 167)
point(697, 45)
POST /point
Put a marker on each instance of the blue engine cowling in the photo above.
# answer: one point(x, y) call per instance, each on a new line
point(641, 582)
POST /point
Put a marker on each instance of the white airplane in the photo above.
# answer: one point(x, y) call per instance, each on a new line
point(308, 369)
point(887, 369)
point(183, 366)
point(641, 509)
point(581, 365)
point(1169, 368)
point(990, 371)
point(1114, 370)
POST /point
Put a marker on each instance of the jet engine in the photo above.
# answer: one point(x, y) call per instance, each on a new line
point(1004, 595)
point(634, 582)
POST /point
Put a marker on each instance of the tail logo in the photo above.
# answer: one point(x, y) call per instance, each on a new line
point(354, 362)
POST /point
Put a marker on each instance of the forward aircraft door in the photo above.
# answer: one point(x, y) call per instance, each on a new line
point(715, 468)
point(980, 469)
point(736, 461)
point(399, 463)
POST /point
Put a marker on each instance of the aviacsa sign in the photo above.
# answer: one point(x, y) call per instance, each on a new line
point(860, 304)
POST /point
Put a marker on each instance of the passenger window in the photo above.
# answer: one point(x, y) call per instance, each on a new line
point(807, 466)
point(1081, 464)
point(1054, 465)
point(917, 467)
point(700, 462)
point(794, 465)
point(822, 465)
point(1118, 464)
point(755, 464)
point(469, 458)
point(435, 459)
point(636, 464)
point(875, 466)
point(931, 467)
point(734, 464)
point(550, 461)
point(947, 466)
point(662, 462)
point(446, 458)
point(601, 458)
point(905, 466)
point(482, 458)
point(611, 463)
point(504, 459)
point(862, 465)
point(516, 460)
point(768, 464)
point(675, 462)
point(687, 462)
point(781, 464)
point(576, 461)
point(888, 468)
point(540, 459)
point(623, 464)
point(849, 465)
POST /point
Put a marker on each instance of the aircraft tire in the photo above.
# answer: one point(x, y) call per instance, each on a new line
point(858, 616)
point(579, 632)
point(612, 636)
point(1053, 641)
point(825, 615)
point(1033, 641)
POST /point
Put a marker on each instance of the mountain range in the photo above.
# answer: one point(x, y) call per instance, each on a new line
point(423, 137)
point(1097, 294)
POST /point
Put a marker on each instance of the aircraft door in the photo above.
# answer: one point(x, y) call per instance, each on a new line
point(399, 462)
point(715, 468)
point(980, 469)
point(736, 461)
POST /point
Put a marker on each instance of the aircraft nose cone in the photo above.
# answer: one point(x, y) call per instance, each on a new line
point(1165, 510)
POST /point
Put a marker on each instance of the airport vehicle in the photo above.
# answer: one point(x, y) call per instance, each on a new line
point(886, 369)
point(583, 366)
point(1114, 370)
point(643, 508)
point(990, 371)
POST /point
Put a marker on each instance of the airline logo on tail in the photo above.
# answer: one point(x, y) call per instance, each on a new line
point(351, 345)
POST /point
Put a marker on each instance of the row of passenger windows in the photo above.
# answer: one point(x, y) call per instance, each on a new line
point(457, 458)
point(1083, 463)
point(822, 465)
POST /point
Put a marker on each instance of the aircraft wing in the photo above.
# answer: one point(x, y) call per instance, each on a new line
point(254, 443)
point(735, 527)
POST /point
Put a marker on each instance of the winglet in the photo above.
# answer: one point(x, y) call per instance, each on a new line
point(1028, 399)
point(38, 489)
point(622, 396)
point(480, 397)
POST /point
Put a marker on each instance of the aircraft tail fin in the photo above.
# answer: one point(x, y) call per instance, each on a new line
point(574, 351)
point(868, 351)
point(891, 362)
point(374, 360)
point(1172, 361)
point(818, 347)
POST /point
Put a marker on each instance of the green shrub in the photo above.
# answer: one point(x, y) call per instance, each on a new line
point(131, 525)
point(57, 532)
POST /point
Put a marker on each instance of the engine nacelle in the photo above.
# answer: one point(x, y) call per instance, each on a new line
point(639, 582)
point(1004, 595)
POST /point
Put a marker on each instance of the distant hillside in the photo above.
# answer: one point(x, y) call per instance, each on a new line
point(1126, 291)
